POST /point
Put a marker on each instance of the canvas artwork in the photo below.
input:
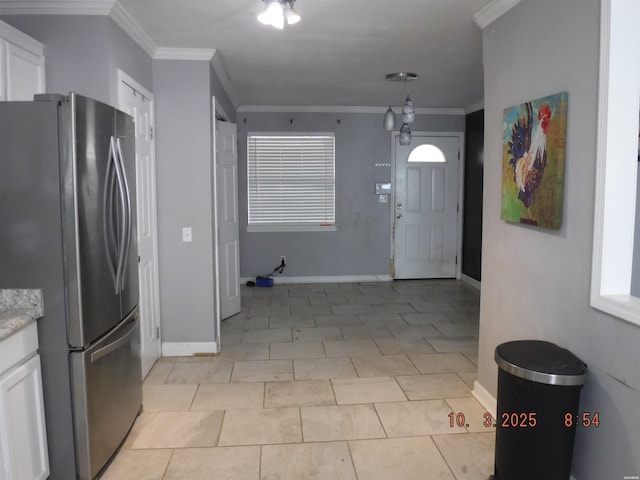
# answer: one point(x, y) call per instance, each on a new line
point(533, 152)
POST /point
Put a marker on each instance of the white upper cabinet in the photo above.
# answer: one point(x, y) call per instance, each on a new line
point(21, 65)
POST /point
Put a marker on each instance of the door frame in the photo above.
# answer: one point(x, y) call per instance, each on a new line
point(124, 78)
point(392, 251)
point(217, 112)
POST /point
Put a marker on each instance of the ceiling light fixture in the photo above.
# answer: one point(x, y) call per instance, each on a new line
point(408, 110)
point(277, 11)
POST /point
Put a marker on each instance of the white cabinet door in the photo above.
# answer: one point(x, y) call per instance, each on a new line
point(25, 73)
point(23, 441)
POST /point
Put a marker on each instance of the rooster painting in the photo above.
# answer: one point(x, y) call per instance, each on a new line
point(533, 166)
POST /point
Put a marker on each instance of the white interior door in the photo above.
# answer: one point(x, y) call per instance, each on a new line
point(138, 103)
point(228, 241)
point(25, 73)
point(425, 211)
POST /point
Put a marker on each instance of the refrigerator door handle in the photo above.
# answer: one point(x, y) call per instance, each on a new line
point(110, 240)
point(107, 349)
point(129, 217)
point(124, 222)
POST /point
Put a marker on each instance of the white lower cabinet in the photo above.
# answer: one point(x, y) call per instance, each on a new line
point(23, 440)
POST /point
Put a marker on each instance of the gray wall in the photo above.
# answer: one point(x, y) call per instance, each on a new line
point(361, 244)
point(538, 48)
point(83, 53)
point(128, 56)
point(217, 89)
point(183, 144)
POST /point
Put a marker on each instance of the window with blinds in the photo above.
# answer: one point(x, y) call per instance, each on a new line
point(291, 182)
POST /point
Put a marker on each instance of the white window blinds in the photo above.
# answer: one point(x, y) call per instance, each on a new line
point(291, 180)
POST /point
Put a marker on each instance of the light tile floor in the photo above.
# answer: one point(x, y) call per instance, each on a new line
point(314, 382)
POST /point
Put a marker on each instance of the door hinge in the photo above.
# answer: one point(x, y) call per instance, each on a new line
point(458, 208)
point(456, 259)
point(458, 154)
point(158, 332)
point(150, 132)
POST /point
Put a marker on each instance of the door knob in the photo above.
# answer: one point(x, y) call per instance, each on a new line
point(399, 215)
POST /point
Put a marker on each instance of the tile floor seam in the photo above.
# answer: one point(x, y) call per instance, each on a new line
point(355, 470)
point(166, 468)
point(395, 379)
point(194, 397)
point(443, 457)
point(375, 407)
point(301, 425)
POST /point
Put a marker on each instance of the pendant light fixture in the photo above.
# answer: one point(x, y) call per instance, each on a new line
point(277, 11)
point(408, 110)
point(389, 120)
point(405, 134)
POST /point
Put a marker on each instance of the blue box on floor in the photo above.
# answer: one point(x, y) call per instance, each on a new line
point(264, 282)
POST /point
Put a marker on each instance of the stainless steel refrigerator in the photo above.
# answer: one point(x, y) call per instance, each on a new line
point(68, 226)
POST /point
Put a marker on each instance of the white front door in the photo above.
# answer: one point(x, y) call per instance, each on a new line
point(137, 102)
point(425, 211)
point(227, 214)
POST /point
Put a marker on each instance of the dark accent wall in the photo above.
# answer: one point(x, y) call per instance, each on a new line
point(473, 172)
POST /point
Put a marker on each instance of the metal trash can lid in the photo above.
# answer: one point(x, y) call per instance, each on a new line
point(541, 362)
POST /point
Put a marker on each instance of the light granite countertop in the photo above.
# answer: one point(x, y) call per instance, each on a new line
point(18, 308)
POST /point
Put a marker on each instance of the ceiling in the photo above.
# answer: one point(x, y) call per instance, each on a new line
point(337, 55)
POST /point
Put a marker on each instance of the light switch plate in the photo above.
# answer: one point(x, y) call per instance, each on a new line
point(186, 234)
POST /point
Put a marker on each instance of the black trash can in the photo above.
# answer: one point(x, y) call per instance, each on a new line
point(539, 387)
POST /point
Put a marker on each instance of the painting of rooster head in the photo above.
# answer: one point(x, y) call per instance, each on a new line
point(544, 115)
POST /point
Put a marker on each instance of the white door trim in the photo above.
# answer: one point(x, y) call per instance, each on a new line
point(125, 79)
point(225, 163)
point(392, 217)
point(214, 208)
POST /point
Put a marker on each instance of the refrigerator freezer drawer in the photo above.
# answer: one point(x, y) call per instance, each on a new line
point(107, 395)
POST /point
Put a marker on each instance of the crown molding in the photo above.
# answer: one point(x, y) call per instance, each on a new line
point(474, 107)
point(111, 8)
point(56, 7)
point(492, 11)
point(16, 36)
point(124, 19)
point(218, 67)
point(342, 109)
point(170, 53)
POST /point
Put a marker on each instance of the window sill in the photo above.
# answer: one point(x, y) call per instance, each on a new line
point(625, 307)
point(292, 228)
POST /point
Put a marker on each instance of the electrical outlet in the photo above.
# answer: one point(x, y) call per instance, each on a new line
point(283, 259)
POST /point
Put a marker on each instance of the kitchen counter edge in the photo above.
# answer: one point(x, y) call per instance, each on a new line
point(18, 308)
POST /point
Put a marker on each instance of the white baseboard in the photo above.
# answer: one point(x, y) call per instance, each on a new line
point(187, 349)
point(326, 279)
point(485, 398)
point(471, 281)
